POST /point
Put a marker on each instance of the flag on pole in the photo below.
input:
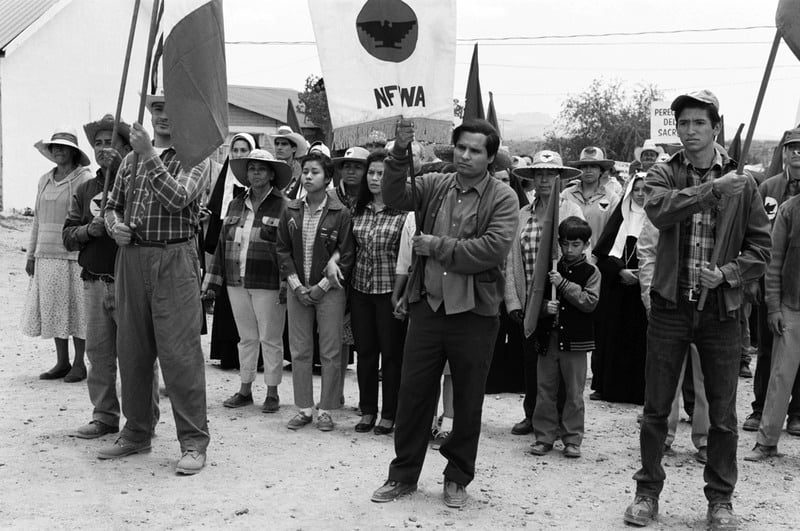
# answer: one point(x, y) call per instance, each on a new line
point(291, 118)
point(735, 149)
point(491, 114)
point(194, 76)
point(473, 101)
point(721, 135)
point(383, 59)
point(545, 254)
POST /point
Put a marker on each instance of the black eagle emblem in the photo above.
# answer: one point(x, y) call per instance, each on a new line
point(387, 34)
point(388, 30)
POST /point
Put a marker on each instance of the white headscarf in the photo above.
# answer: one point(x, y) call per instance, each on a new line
point(632, 220)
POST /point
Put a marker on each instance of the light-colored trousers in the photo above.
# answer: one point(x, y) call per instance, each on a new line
point(700, 420)
point(259, 318)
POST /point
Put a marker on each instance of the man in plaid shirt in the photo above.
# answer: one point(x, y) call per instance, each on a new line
point(158, 291)
point(686, 197)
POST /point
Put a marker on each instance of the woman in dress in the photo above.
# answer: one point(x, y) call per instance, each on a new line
point(54, 305)
point(377, 229)
point(622, 320)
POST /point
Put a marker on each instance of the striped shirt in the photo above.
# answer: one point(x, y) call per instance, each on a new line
point(377, 235)
point(166, 197)
point(698, 229)
point(310, 224)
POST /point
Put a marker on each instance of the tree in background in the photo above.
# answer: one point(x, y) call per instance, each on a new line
point(314, 103)
point(607, 115)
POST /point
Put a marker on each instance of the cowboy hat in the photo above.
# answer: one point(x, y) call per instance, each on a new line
point(353, 154)
point(648, 145)
point(63, 136)
point(593, 156)
point(297, 139)
point(150, 99)
point(106, 123)
point(282, 171)
point(546, 160)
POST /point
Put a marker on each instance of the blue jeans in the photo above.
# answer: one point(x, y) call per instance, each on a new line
point(670, 331)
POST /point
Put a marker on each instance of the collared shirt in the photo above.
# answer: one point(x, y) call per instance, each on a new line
point(245, 232)
point(166, 196)
point(310, 224)
point(596, 209)
point(457, 218)
point(698, 229)
point(405, 251)
point(377, 234)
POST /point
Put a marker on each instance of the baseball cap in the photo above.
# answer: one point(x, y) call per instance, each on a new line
point(703, 96)
point(792, 136)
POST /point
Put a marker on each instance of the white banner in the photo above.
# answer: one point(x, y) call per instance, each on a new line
point(385, 58)
point(662, 123)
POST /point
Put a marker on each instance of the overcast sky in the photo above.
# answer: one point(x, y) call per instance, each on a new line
point(537, 75)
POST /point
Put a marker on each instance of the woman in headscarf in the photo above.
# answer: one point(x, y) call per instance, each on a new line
point(622, 321)
point(54, 304)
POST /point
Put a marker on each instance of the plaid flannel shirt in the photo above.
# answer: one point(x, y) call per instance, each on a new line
point(698, 243)
point(529, 238)
point(166, 202)
point(377, 235)
point(261, 263)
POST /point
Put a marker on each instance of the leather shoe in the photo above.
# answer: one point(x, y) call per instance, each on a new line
point(752, 422)
point(793, 426)
point(95, 429)
point(76, 374)
point(455, 494)
point(540, 448)
point(702, 455)
point(364, 427)
point(238, 400)
point(720, 517)
point(271, 404)
point(643, 511)
point(384, 430)
point(391, 490)
point(123, 448)
point(595, 395)
point(192, 462)
point(572, 451)
point(744, 371)
point(55, 373)
point(761, 452)
point(523, 427)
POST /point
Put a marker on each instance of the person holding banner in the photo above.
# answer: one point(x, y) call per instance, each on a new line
point(684, 201)
point(157, 275)
point(468, 222)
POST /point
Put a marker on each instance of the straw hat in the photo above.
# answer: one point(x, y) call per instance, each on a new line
point(63, 136)
point(648, 145)
point(546, 160)
point(283, 172)
point(106, 123)
point(297, 139)
point(593, 156)
point(150, 99)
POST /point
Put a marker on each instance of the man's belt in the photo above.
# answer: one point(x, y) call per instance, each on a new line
point(159, 243)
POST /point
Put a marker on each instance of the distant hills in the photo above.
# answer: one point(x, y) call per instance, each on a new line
point(524, 125)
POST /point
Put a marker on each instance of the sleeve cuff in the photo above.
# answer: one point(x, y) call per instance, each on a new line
point(324, 284)
point(294, 281)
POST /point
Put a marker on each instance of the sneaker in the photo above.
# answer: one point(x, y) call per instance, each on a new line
point(455, 494)
point(720, 517)
point(192, 462)
point(523, 427)
point(761, 452)
point(123, 448)
point(238, 400)
point(324, 422)
point(793, 426)
point(95, 429)
point(701, 456)
point(391, 490)
point(438, 441)
point(271, 404)
point(752, 422)
point(643, 511)
point(572, 451)
point(744, 371)
point(540, 448)
point(299, 420)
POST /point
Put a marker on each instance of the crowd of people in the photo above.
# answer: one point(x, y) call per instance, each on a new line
point(428, 276)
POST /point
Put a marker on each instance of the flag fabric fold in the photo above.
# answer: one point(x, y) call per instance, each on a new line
point(473, 101)
point(291, 117)
point(383, 59)
point(735, 148)
point(491, 114)
point(194, 77)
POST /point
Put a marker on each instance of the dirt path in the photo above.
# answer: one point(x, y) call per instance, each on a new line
point(261, 475)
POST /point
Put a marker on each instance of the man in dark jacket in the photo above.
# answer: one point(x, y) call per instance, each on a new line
point(686, 197)
point(468, 222)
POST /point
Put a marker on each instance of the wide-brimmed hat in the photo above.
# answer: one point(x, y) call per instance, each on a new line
point(283, 172)
point(376, 138)
point(593, 156)
point(150, 99)
point(106, 123)
point(502, 159)
point(353, 154)
point(63, 136)
point(297, 139)
point(546, 160)
point(648, 145)
point(702, 96)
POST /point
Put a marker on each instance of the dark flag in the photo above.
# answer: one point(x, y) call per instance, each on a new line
point(291, 118)
point(721, 135)
point(473, 104)
point(491, 115)
point(735, 149)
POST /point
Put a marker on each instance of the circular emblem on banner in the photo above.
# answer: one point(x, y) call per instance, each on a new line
point(387, 29)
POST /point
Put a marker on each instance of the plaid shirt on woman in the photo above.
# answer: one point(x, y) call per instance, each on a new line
point(698, 229)
point(166, 202)
point(377, 235)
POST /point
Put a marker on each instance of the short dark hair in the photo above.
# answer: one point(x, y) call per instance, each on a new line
point(574, 228)
point(483, 127)
point(713, 113)
point(364, 195)
point(324, 161)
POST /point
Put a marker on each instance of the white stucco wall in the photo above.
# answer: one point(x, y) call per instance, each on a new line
point(67, 72)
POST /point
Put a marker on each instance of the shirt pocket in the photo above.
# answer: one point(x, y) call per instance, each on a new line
point(269, 229)
point(229, 226)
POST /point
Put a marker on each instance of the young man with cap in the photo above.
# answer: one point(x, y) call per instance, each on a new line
point(290, 147)
point(468, 221)
point(776, 190)
point(85, 231)
point(157, 277)
point(686, 198)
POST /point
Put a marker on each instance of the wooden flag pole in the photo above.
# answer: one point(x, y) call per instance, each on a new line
point(151, 39)
point(554, 242)
point(730, 210)
point(417, 221)
point(120, 98)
